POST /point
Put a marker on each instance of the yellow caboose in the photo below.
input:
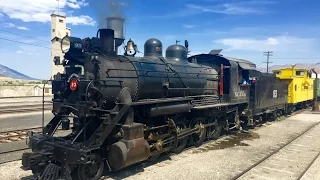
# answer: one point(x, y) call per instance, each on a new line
point(300, 88)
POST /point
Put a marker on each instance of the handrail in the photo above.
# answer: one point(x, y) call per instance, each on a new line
point(44, 85)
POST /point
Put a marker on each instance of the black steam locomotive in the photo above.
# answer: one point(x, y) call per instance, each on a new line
point(128, 109)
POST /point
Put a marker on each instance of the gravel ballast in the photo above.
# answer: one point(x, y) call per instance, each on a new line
point(220, 159)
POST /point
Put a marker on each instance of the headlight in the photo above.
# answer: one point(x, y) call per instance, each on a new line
point(71, 44)
point(65, 44)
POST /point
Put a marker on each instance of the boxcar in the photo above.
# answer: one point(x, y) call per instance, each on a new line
point(300, 86)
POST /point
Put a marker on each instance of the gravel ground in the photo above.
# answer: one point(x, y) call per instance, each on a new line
point(313, 172)
point(22, 101)
point(221, 159)
point(12, 122)
point(30, 99)
point(22, 115)
point(291, 161)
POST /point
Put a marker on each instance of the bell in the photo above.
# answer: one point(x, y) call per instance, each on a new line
point(130, 45)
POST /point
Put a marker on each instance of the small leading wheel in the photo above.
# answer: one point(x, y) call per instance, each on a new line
point(274, 115)
point(181, 126)
point(213, 132)
point(198, 138)
point(91, 171)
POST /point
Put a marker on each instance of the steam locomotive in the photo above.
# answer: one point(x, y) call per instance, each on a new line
point(127, 109)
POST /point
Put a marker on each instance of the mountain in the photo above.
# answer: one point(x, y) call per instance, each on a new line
point(299, 65)
point(8, 72)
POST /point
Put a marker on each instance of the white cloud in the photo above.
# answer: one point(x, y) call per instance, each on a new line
point(22, 28)
point(232, 8)
point(77, 4)
point(188, 26)
point(87, 20)
point(280, 44)
point(73, 5)
point(10, 25)
point(224, 9)
point(40, 10)
point(248, 2)
point(19, 52)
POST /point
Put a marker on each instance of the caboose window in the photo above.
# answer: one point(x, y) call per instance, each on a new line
point(277, 72)
point(299, 73)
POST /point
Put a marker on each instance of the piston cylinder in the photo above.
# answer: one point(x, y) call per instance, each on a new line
point(132, 149)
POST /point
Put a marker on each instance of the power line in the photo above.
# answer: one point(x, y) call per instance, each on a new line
point(24, 35)
point(296, 58)
point(268, 54)
point(27, 43)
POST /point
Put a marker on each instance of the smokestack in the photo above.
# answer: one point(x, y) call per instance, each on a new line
point(110, 14)
point(116, 23)
point(107, 41)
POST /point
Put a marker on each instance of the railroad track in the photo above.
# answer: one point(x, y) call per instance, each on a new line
point(23, 97)
point(292, 159)
point(16, 135)
point(21, 134)
point(24, 108)
point(17, 152)
point(11, 136)
point(204, 147)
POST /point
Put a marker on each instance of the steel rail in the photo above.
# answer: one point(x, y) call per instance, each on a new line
point(23, 97)
point(166, 155)
point(309, 165)
point(273, 152)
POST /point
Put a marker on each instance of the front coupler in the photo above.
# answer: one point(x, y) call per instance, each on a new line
point(53, 156)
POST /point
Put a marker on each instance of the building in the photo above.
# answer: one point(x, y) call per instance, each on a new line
point(58, 31)
point(25, 90)
point(39, 91)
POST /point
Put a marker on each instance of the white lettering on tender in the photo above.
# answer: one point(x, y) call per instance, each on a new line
point(240, 94)
point(275, 93)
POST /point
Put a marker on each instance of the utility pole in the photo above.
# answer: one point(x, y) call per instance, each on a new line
point(268, 54)
point(58, 8)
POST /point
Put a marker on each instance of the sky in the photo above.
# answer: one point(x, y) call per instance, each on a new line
point(242, 28)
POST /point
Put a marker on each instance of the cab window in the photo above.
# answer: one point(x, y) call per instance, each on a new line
point(300, 73)
point(277, 72)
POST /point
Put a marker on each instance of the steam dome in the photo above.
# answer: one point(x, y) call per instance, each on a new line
point(153, 47)
point(176, 53)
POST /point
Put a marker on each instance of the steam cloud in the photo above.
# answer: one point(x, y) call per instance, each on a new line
point(107, 8)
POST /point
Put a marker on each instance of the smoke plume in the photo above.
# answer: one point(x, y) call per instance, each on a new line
point(107, 8)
